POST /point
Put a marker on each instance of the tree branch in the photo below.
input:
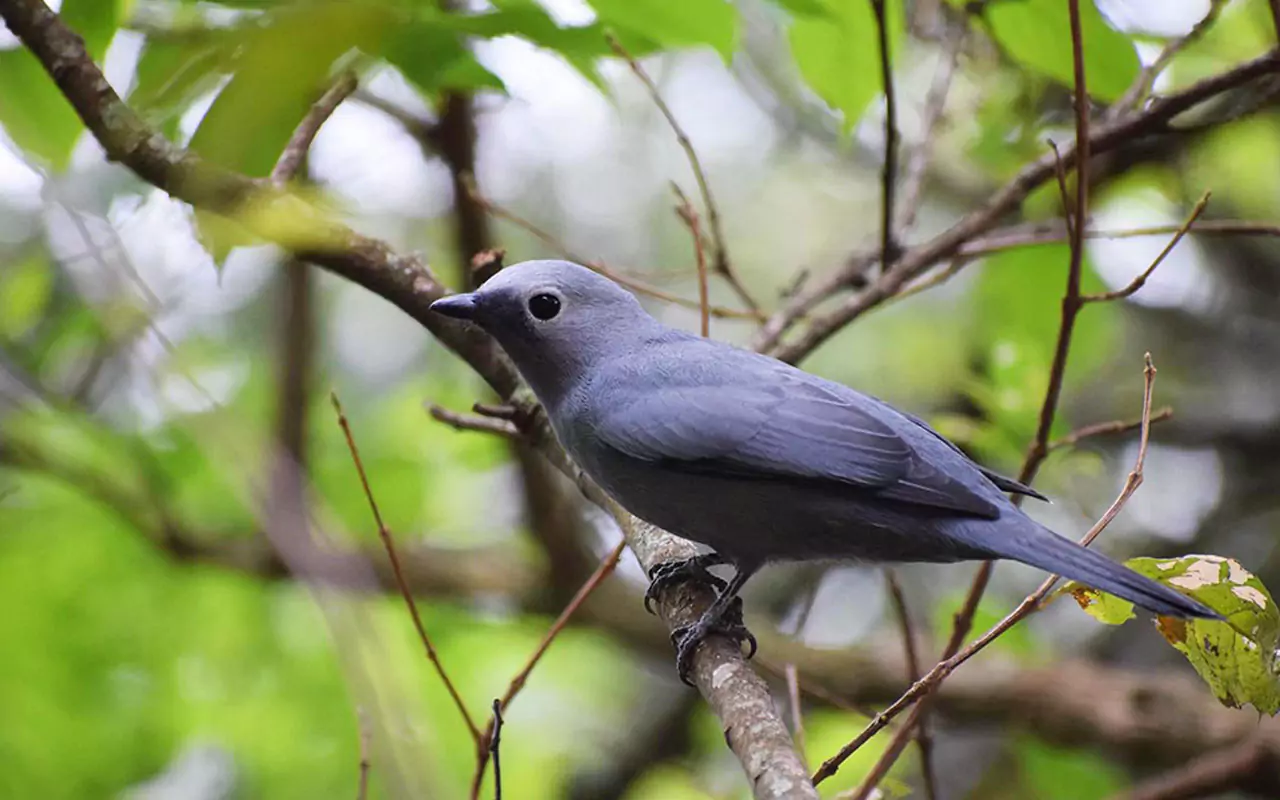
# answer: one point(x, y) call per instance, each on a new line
point(1152, 120)
point(735, 693)
point(889, 170)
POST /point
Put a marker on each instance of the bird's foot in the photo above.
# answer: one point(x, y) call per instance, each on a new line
point(669, 573)
point(686, 638)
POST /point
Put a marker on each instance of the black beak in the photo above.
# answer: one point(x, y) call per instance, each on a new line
point(458, 306)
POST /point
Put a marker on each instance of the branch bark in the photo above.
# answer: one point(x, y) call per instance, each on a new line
point(753, 728)
point(1154, 119)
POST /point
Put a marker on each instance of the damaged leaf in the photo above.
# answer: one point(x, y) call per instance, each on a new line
point(1237, 658)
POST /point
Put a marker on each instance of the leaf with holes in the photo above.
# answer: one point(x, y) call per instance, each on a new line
point(1237, 658)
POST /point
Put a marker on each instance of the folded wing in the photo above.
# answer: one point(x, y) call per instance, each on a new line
point(780, 425)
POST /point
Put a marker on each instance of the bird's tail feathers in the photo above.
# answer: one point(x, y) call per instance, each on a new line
point(1053, 553)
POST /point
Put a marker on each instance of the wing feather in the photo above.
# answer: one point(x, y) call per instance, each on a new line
point(784, 425)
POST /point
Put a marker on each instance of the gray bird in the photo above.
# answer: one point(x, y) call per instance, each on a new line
point(753, 457)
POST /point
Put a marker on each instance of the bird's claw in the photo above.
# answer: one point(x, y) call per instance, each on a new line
point(669, 573)
point(686, 638)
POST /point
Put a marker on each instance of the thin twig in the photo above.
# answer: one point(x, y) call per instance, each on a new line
point(1275, 16)
point(470, 422)
point(792, 677)
point(890, 755)
point(1140, 281)
point(1106, 429)
point(935, 103)
point(690, 217)
point(792, 674)
point(889, 170)
point(362, 733)
point(549, 239)
point(962, 621)
point(295, 152)
point(1041, 233)
point(722, 265)
point(403, 585)
point(922, 689)
point(607, 566)
point(1060, 174)
point(495, 740)
point(1134, 96)
point(1071, 305)
point(1153, 120)
point(921, 724)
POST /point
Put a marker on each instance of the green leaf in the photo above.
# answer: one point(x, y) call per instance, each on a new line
point(430, 52)
point(25, 289)
point(838, 54)
point(96, 22)
point(1105, 608)
point(34, 113)
point(1017, 300)
point(688, 23)
point(172, 74)
point(283, 69)
point(1237, 658)
point(1037, 34)
point(805, 8)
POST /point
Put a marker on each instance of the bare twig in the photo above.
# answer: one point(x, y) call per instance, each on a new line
point(499, 411)
point(1275, 16)
point(420, 128)
point(935, 103)
point(469, 422)
point(792, 678)
point(722, 265)
point(635, 285)
point(690, 217)
point(1135, 94)
point(1106, 429)
point(1140, 281)
point(1049, 233)
point(889, 170)
point(606, 568)
point(1154, 119)
point(362, 732)
point(1060, 174)
point(1071, 305)
point(922, 689)
point(295, 151)
point(890, 755)
point(792, 675)
point(737, 696)
point(495, 741)
point(385, 535)
point(921, 724)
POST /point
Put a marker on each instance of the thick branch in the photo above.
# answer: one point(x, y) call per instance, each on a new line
point(753, 728)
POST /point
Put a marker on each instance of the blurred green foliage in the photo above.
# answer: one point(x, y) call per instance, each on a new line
point(119, 656)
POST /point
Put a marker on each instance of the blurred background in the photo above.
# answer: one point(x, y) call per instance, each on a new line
point(156, 645)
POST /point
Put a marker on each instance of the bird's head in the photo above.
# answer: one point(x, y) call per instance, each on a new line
point(556, 319)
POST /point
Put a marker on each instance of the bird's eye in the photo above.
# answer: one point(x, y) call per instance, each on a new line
point(544, 306)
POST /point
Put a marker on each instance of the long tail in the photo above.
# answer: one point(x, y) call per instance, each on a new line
point(1041, 547)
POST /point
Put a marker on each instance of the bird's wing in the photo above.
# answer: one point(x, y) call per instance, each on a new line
point(1002, 482)
point(779, 425)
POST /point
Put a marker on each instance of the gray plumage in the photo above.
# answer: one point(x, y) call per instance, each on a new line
point(753, 457)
